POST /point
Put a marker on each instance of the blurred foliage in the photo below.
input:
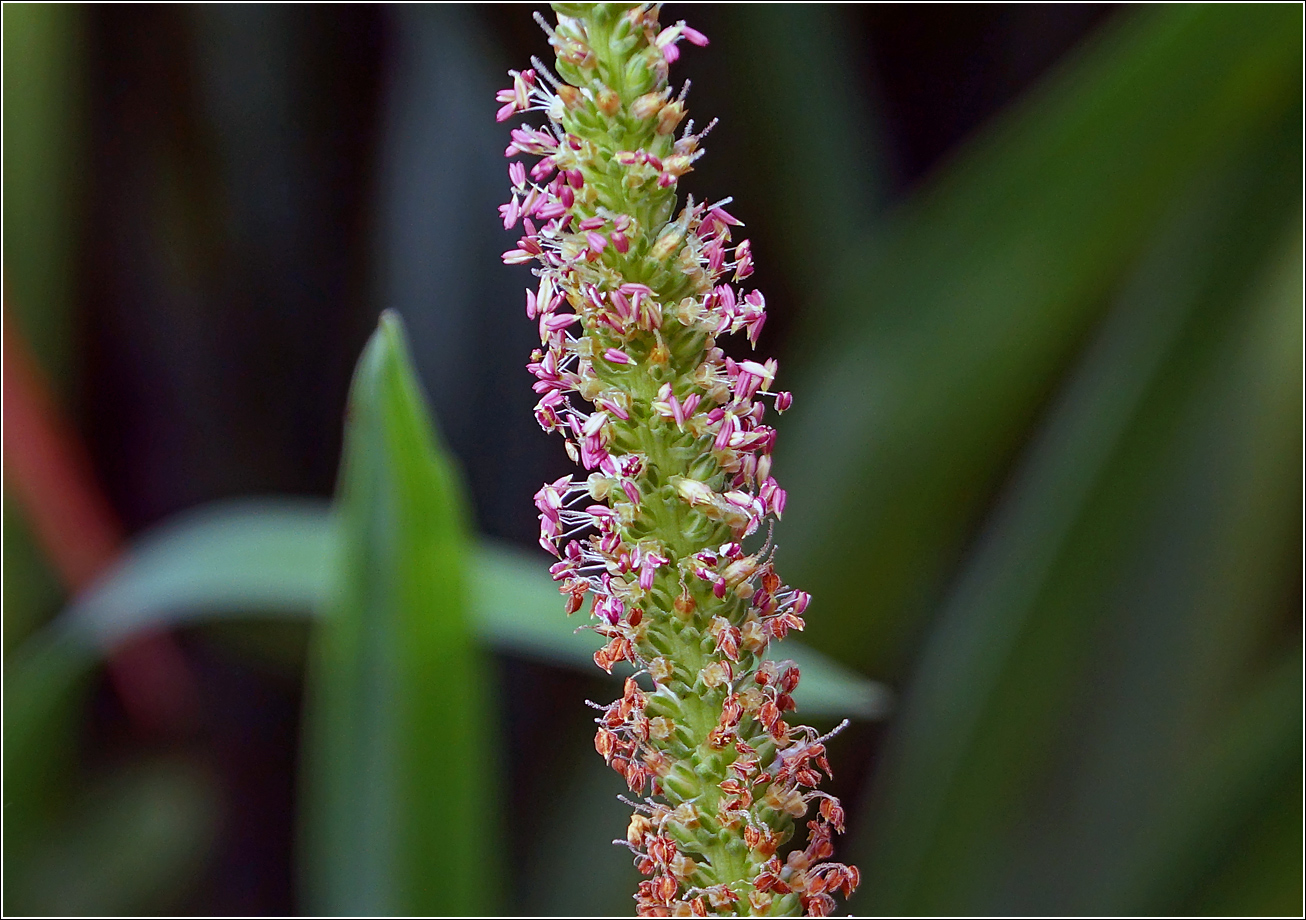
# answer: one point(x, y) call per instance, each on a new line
point(924, 372)
point(1089, 505)
point(1132, 510)
point(31, 591)
point(126, 838)
point(1045, 476)
point(135, 840)
point(42, 172)
point(400, 754)
point(230, 561)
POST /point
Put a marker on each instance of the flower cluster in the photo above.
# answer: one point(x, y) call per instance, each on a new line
point(631, 299)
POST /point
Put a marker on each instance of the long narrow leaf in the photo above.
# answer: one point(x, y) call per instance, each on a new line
point(44, 133)
point(1168, 457)
point(941, 342)
point(399, 800)
point(267, 555)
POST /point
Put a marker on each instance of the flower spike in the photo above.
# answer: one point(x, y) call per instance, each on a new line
point(632, 297)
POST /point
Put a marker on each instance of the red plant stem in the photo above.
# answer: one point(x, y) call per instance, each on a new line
point(48, 471)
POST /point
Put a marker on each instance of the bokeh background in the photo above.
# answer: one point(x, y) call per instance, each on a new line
point(1034, 275)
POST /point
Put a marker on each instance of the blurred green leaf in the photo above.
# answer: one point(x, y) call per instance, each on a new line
point(43, 119)
point(1115, 599)
point(265, 555)
point(45, 683)
point(1229, 838)
point(128, 844)
point(42, 115)
point(255, 556)
point(1261, 874)
point(400, 803)
point(31, 592)
point(132, 844)
point(936, 350)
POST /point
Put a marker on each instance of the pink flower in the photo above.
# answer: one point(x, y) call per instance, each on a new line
point(679, 459)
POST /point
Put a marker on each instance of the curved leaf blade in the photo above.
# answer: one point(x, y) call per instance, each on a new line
point(265, 555)
point(273, 556)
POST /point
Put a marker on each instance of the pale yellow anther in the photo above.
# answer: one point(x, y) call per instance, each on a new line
point(638, 827)
point(660, 728)
point(661, 669)
point(715, 674)
point(667, 244)
point(647, 105)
